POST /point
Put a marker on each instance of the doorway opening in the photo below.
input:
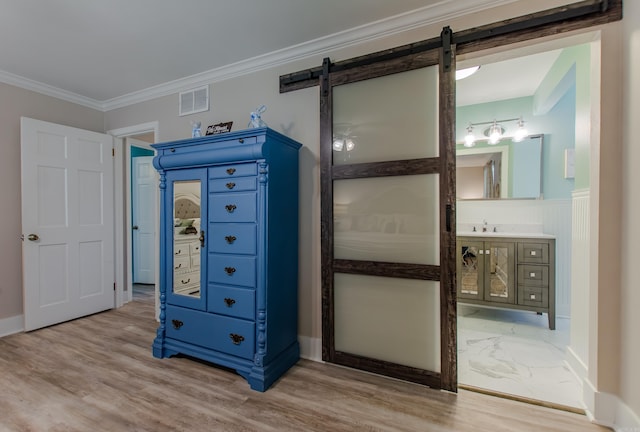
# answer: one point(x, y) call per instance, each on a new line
point(503, 349)
point(136, 208)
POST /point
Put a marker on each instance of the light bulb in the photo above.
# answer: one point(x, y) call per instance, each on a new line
point(349, 144)
point(521, 132)
point(338, 144)
point(469, 138)
point(495, 133)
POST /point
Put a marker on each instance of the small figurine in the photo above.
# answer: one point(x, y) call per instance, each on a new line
point(256, 121)
point(195, 131)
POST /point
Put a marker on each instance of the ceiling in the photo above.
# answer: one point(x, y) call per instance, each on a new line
point(103, 53)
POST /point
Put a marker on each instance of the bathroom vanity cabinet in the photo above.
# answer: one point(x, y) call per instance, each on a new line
point(229, 252)
point(507, 272)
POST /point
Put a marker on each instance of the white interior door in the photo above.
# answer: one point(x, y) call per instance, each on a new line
point(67, 222)
point(143, 219)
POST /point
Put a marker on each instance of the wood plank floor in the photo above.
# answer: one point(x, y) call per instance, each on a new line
point(97, 374)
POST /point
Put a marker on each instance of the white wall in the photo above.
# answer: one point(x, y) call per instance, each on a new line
point(613, 347)
point(630, 295)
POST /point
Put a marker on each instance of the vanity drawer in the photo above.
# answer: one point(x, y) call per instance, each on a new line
point(232, 238)
point(235, 170)
point(181, 262)
point(235, 302)
point(232, 270)
point(535, 275)
point(533, 296)
point(186, 282)
point(230, 335)
point(233, 185)
point(534, 253)
point(234, 207)
point(194, 248)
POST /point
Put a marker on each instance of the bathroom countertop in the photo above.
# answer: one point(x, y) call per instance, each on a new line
point(499, 234)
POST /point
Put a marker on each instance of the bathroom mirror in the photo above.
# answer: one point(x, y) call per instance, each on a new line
point(507, 170)
point(188, 238)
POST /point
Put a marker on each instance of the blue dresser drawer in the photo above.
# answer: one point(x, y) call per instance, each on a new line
point(234, 207)
point(236, 170)
point(235, 302)
point(232, 270)
point(233, 185)
point(232, 238)
point(230, 335)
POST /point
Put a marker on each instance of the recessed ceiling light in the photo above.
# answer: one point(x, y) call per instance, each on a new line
point(467, 72)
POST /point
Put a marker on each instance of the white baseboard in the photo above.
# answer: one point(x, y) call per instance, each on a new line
point(12, 325)
point(576, 365)
point(609, 410)
point(310, 348)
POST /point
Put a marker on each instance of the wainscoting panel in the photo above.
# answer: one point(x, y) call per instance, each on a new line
point(580, 276)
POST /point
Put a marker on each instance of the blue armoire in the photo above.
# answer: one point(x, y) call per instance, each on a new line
point(229, 252)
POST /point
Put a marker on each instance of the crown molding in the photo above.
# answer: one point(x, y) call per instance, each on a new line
point(428, 15)
point(48, 90)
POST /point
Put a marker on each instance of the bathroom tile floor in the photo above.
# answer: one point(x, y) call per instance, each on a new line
point(514, 352)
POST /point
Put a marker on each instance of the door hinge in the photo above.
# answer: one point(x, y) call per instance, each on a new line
point(113, 152)
point(114, 286)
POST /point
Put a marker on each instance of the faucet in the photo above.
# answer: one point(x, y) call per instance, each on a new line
point(484, 225)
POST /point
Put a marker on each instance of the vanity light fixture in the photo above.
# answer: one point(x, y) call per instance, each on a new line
point(495, 132)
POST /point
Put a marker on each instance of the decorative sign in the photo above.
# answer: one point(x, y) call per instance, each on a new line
point(219, 128)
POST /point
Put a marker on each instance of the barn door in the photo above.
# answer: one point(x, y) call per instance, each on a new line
point(388, 223)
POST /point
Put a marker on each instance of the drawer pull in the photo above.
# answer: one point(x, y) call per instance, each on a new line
point(241, 140)
point(230, 207)
point(230, 239)
point(533, 253)
point(532, 274)
point(229, 301)
point(230, 270)
point(236, 338)
point(178, 266)
point(533, 296)
point(230, 171)
point(177, 324)
point(231, 185)
point(178, 252)
point(184, 283)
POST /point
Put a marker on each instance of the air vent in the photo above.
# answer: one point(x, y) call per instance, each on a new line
point(194, 101)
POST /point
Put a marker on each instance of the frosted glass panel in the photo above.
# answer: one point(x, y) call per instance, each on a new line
point(393, 219)
point(395, 320)
point(388, 118)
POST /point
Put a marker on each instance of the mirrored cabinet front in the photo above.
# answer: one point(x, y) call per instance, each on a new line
point(188, 237)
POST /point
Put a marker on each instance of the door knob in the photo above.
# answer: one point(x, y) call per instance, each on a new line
point(135, 227)
point(33, 237)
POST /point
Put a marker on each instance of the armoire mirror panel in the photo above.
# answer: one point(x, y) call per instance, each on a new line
point(392, 219)
point(390, 319)
point(389, 118)
point(186, 237)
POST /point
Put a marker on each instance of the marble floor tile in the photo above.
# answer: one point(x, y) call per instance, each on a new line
point(514, 352)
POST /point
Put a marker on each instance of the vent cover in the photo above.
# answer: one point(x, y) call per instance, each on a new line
point(194, 101)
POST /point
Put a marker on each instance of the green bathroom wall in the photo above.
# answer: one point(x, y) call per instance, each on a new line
point(560, 110)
